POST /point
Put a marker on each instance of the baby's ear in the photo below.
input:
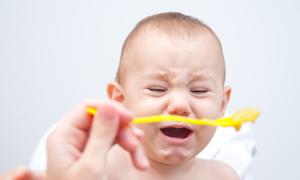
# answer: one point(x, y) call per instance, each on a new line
point(225, 99)
point(115, 92)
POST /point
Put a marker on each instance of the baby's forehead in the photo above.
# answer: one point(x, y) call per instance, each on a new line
point(189, 43)
point(177, 34)
point(176, 27)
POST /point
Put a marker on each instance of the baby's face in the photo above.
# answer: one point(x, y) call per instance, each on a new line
point(178, 77)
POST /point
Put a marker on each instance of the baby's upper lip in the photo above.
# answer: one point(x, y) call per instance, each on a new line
point(176, 125)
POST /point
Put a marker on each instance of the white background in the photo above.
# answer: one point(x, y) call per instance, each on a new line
point(54, 54)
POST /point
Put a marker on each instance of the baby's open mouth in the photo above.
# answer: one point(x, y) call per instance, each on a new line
point(176, 132)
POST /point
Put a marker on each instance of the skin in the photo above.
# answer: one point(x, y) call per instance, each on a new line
point(165, 76)
point(79, 146)
point(179, 77)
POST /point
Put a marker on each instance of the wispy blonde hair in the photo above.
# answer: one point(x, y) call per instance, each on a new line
point(174, 24)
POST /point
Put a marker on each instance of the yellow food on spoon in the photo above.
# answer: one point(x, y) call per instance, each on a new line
point(235, 120)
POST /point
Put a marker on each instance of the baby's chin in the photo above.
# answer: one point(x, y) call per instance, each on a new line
point(174, 158)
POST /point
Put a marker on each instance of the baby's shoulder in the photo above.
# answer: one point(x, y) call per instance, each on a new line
point(217, 170)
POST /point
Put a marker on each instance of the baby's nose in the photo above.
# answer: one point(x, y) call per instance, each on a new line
point(179, 105)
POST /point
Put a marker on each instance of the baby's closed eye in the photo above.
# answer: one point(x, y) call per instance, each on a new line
point(199, 91)
point(157, 89)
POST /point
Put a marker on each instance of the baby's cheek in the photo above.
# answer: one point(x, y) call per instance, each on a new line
point(206, 109)
point(204, 135)
point(146, 108)
point(150, 135)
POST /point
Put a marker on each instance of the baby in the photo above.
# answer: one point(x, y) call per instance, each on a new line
point(170, 64)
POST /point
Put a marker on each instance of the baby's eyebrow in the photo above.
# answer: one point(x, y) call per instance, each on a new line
point(156, 75)
point(200, 75)
point(203, 76)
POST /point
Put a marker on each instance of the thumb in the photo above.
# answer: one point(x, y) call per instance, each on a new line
point(102, 135)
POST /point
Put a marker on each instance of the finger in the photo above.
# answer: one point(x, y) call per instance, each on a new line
point(21, 174)
point(27, 174)
point(76, 125)
point(66, 143)
point(139, 159)
point(124, 115)
point(127, 139)
point(103, 133)
point(30, 176)
point(138, 132)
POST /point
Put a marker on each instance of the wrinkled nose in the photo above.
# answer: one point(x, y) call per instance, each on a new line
point(179, 105)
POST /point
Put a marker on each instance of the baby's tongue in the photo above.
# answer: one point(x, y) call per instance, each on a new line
point(176, 132)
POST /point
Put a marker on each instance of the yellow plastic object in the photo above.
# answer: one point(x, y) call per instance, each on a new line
point(235, 120)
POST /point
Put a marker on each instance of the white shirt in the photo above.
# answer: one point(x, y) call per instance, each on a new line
point(236, 148)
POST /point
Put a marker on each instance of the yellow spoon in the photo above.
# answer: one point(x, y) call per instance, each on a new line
point(236, 119)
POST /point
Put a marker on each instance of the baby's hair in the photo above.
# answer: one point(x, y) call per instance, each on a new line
point(174, 24)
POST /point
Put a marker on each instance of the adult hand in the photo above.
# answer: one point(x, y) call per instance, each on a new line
point(78, 147)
